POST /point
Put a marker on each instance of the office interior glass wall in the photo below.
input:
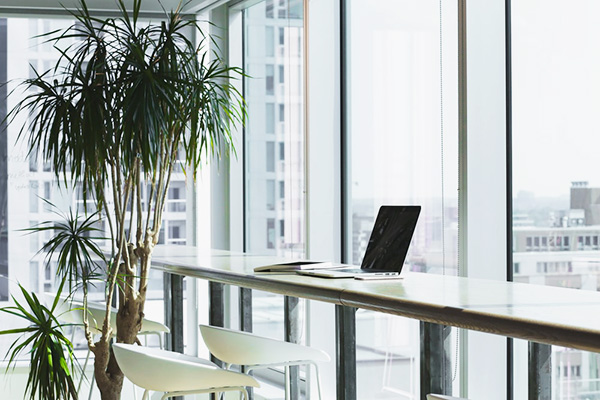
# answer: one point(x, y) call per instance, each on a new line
point(556, 181)
point(402, 149)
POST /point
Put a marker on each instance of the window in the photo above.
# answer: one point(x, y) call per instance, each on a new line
point(270, 118)
point(33, 163)
point(47, 196)
point(269, 8)
point(269, 41)
point(282, 9)
point(295, 9)
point(272, 225)
point(555, 182)
point(394, 135)
point(268, 160)
point(33, 197)
point(270, 157)
point(270, 79)
point(270, 233)
point(270, 194)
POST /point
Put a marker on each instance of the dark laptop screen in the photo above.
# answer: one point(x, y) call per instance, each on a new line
point(391, 236)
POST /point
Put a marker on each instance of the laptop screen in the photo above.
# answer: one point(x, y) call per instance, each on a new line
point(390, 238)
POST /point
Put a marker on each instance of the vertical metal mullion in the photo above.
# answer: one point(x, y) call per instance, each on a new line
point(173, 295)
point(509, 205)
point(216, 313)
point(344, 140)
point(345, 340)
point(4, 161)
point(245, 305)
point(292, 334)
point(168, 308)
point(462, 180)
point(345, 317)
point(244, 142)
point(540, 371)
point(436, 368)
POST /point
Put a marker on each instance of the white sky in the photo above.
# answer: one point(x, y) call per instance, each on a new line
point(556, 94)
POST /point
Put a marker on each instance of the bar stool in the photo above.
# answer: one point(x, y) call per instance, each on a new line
point(176, 374)
point(71, 311)
point(442, 397)
point(255, 352)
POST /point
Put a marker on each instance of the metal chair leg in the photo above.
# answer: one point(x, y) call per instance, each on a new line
point(287, 382)
point(318, 380)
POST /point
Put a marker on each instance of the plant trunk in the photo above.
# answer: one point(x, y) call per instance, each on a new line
point(129, 322)
point(109, 377)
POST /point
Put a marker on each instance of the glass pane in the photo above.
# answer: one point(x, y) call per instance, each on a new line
point(556, 180)
point(274, 149)
point(403, 150)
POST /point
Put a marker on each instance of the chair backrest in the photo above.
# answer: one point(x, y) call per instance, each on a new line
point(71, 311)
point(443, 397)
point(242, 348)
point(166, 371)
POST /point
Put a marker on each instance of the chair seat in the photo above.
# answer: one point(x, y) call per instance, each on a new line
point(165, 371)
point(242, 348)
point(443, 397)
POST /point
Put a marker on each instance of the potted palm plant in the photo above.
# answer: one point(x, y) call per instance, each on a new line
point(127, 103)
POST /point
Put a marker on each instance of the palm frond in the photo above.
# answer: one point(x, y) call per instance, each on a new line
point(51, 353)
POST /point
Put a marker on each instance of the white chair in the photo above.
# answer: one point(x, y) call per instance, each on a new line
point(254, 352)
point(176, 374)
point(443, 397)
point(71, 311)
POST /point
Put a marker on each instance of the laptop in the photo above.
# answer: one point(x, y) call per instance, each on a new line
point(387, 248)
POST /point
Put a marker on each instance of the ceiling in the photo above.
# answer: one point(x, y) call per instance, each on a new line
point(29, 7)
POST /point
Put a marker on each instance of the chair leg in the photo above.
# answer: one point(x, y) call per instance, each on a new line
point(318, 380)
point(287, 382)
point(93, 381)
point(244, 394)
point(87, 358)
point(146, 395)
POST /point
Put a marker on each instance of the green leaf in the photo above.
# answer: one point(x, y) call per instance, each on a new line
point(49, 374)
